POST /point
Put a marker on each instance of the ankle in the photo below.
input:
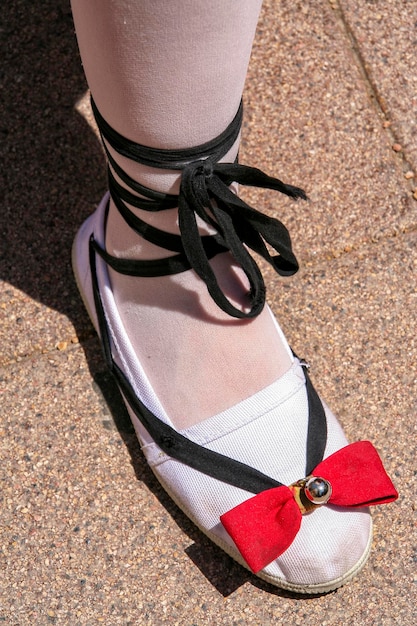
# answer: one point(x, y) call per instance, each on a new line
point(123, 242)
point(204, 194)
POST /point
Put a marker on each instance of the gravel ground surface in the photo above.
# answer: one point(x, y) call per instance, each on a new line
point(87, 536)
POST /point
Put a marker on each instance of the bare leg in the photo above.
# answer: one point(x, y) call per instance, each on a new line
point(171, 75)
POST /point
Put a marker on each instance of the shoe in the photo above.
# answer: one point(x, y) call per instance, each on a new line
point(272, 480)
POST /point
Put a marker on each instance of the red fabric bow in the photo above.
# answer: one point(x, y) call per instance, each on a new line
point(264, 526)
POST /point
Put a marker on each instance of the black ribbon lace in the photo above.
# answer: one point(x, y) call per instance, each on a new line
point(204, 193)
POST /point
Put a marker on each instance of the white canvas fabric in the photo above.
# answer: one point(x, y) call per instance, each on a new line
point(268, 431)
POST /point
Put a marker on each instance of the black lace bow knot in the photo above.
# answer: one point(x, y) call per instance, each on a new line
point(205, 193)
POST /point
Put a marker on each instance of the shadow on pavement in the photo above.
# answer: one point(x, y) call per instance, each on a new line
point(52, 164)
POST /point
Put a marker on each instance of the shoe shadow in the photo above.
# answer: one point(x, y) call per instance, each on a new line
point(52, 169)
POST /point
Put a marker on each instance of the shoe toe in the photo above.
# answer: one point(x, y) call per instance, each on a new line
point(331, 547)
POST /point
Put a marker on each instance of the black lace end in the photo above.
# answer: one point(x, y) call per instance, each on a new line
point(295, 192)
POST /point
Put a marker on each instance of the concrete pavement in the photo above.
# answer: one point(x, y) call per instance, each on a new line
point(87, 536)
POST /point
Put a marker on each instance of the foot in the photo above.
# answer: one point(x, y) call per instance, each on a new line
point(199, 360)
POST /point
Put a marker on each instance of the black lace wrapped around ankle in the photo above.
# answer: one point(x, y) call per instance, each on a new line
point(204, 193)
